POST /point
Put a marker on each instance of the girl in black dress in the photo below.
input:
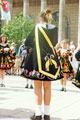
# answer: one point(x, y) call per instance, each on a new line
point(42, 65)
point(65, 63)
point(5, 59)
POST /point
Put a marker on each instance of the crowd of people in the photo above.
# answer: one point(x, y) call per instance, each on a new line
point(11, 60)
point(42, 59)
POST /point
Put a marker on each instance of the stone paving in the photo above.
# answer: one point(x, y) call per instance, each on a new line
point(18, 103)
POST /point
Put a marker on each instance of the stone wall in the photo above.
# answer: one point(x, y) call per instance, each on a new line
point(71, 12)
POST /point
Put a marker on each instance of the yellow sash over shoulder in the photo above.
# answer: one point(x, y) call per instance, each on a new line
point(39, 54)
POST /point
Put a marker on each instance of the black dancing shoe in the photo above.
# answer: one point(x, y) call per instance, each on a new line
point(62, 89)
point(46, 117)
point(2, 85)
point(36, 117)
point(31, 87)
point(26, 86)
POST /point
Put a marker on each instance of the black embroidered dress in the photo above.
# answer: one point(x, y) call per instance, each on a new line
point(64, 61)
point(5, 58)
point(42, 63)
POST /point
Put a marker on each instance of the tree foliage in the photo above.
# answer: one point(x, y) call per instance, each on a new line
point(18, 29)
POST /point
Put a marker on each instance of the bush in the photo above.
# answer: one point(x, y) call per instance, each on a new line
point(18, 29)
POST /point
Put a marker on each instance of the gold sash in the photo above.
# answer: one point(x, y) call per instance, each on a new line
point(39, 54)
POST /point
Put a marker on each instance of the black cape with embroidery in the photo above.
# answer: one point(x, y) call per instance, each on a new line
point(42, 62)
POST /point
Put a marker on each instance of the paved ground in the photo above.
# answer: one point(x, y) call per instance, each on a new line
point(17, 103)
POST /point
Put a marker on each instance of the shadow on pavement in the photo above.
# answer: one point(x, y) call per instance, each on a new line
point(74, 91)
point(16, 113)
point(74, 119)
point(55, 118)
point(15, 89)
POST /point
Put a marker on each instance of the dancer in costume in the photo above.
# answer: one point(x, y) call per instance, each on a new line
point(76, 81)
point(5, 59)
point(42, 65)
point(23, 53)
point(65, 63)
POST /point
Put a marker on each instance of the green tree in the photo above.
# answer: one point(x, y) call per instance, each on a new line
point(18, 29)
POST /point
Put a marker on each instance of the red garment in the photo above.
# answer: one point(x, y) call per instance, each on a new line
point(5, 6)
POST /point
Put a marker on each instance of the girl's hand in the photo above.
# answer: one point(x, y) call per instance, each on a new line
point(6, 49)
point(0, 51)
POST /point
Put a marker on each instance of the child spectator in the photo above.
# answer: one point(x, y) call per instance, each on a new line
point(17, 66)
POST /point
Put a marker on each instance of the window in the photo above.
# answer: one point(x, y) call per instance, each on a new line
point(66, 24)
point(17, 3)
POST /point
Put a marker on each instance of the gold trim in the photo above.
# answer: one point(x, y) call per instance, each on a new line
point(47, 38)
point(76, 82)
point(39, 55)
point(49, 62)
point(50, 75)
point(38, 48)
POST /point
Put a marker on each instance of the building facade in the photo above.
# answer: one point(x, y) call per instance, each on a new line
point(69, 28)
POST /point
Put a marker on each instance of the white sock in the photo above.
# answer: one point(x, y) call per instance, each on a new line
point(1, 81)
point(27, 81)
point(31, 82)
point(62, 86)
point(46, 110)
point(38, 111)
point(65, 86)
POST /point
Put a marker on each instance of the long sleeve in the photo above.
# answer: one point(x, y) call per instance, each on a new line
point(55, 36)
point(30, 39)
